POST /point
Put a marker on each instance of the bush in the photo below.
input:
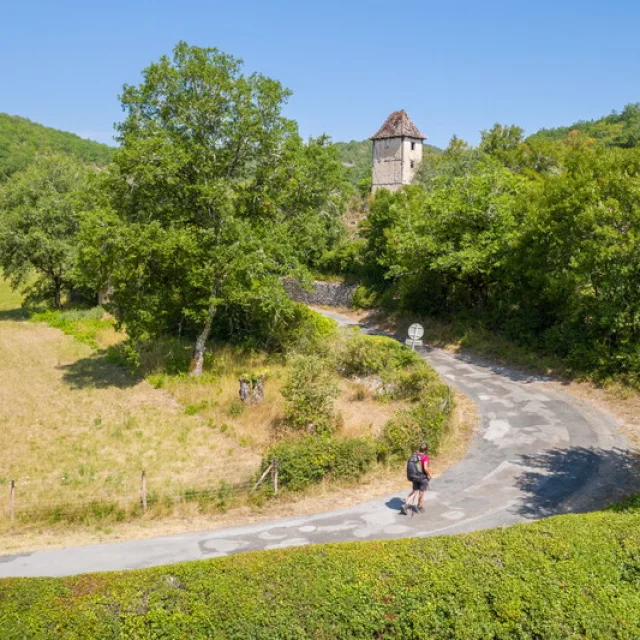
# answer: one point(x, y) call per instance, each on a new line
point(427, 422)
point(310, 392)
point(363, 355)
point(364, 298)
point(566, 577)
point(308, 460)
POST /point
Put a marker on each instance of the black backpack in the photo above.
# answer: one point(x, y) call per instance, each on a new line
point(415, 472)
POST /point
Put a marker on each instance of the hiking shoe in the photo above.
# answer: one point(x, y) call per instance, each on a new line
point(403, 509)
point(420, 509)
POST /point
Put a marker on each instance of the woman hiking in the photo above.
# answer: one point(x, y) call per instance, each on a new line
point(418, 474)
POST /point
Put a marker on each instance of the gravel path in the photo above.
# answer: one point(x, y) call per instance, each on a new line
point(538, 452)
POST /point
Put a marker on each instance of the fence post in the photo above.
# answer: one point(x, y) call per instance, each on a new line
point(275, 476)
point(143, 491)
point(12, 500)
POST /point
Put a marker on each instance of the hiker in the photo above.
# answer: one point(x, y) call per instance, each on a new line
point(418, 474)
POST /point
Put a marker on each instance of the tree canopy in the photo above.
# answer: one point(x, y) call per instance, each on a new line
point(40, 211)
point(212, 197)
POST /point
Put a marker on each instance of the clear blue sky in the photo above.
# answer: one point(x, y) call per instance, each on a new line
point(455, 66)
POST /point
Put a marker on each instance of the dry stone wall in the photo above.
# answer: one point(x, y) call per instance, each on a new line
point(331, 294)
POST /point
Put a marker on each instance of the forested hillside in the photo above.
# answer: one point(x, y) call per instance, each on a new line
point(21, 140)
point(615, 130)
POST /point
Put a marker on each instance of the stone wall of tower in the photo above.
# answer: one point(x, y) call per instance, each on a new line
point(394, 162)
point(387, 164)
point(412, 155)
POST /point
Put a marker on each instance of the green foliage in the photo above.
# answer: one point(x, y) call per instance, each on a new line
point(211, 198)
point(82, 324)
point(364, 297)
point(301, 330)
point(615, 130)
point(40, 213)
point(561, 578)
point(363, 355)
point(21, 141)
point(538, 241)
point(305, 461)
point(310, 392)
point(425, 422)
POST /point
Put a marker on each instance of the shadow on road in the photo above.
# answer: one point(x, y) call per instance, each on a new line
point(554, 480)
point(394, 503)
point(96, 372)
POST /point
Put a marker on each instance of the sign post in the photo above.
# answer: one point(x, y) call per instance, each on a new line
point(416, 331)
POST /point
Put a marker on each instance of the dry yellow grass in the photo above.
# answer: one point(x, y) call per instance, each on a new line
point(76, 428)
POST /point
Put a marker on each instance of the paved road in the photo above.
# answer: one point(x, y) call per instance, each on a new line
point(538, 452)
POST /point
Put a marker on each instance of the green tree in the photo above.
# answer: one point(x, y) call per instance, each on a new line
point(211, 197)
point(40, 212)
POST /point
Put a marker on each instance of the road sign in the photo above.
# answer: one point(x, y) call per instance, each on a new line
point(416, 331)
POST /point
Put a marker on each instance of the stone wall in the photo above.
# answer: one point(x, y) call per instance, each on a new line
point(331, 294)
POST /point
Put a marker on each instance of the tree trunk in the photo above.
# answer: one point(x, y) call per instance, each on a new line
point(57, 296)
point(197, 362)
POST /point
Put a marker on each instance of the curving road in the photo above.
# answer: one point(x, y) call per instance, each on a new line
point(538, 452)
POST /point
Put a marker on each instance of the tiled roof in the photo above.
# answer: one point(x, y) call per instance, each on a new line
point(397, 125)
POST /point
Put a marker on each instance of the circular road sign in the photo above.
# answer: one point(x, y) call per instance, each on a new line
point(416, 331)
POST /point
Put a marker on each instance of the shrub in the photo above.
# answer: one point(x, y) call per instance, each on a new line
point(305, 461)
point(363, 355)
point(310, 392)
point(567, 577)
point(364, 298)
point(426, 422)
point(304, 331)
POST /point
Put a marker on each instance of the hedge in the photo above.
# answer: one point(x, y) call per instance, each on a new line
point(566, 578)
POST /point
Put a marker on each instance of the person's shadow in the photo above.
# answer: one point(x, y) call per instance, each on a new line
point(394, 503)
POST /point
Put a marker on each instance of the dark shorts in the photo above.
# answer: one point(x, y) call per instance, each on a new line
point(420, 485)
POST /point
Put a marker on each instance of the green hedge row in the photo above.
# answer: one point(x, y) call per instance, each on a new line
point(563, 578)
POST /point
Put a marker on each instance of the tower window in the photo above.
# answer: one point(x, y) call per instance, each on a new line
point(413, 147)
point(412, 162)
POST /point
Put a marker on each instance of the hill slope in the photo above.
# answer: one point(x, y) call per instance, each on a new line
point(21, 140)
point(615, 130)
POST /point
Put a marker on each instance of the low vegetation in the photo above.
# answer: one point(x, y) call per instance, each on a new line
point(562, 578)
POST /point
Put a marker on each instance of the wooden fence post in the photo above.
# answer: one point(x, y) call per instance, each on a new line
point(12, 500)
point(143, 491)
point(275, 476)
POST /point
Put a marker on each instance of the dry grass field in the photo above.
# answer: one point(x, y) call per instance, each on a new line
point(77, 429)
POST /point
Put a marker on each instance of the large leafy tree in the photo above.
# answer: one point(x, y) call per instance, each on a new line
point(212, 196)
point(40, 210)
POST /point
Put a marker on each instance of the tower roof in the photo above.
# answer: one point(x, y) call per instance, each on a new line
point(398, 125)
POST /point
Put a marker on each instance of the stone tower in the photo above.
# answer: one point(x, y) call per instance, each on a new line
point(397, 151)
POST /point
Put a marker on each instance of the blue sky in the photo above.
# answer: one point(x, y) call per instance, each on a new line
point(457, 67)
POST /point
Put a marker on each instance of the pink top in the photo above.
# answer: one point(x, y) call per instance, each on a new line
point(424, 460)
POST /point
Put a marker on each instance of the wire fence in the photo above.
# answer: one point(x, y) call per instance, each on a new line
point(22, 505)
